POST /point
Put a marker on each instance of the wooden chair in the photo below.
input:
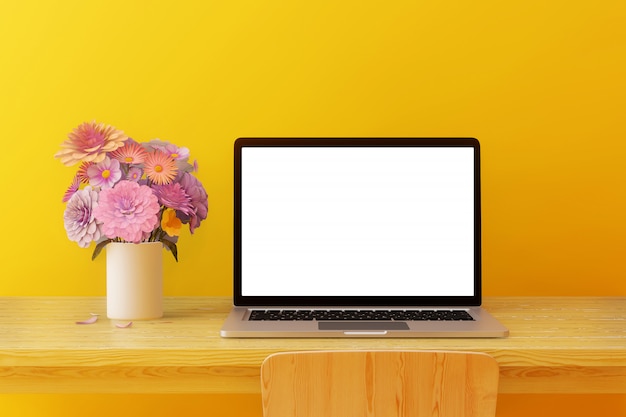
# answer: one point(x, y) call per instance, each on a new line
point(379, 384)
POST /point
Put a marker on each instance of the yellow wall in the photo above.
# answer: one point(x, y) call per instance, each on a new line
point(540, 83)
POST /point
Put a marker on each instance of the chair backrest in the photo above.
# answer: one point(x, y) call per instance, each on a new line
point(379, 384)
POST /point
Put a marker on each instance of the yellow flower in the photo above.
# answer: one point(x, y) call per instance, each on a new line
point(170, 223)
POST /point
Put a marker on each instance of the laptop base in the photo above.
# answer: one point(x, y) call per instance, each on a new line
point(484, 325)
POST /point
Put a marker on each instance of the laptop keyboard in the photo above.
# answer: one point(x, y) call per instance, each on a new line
point(387, 315)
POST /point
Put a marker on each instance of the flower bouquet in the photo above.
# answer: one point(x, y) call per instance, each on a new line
point(127, 191)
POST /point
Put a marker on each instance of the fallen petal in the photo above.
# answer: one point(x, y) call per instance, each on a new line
point(123, 326)
point(93, 319)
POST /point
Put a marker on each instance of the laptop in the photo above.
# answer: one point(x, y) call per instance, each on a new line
point(357, 237)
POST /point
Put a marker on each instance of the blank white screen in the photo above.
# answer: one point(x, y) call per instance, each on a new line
point(357, 221)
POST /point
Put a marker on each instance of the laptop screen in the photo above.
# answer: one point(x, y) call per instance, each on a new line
point(357, 221)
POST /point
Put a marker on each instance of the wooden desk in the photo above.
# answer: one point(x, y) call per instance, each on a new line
point(557, 345)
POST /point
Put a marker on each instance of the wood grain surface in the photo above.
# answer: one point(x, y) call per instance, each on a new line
point(556, 345)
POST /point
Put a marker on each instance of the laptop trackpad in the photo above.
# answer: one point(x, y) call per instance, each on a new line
point(362, 325)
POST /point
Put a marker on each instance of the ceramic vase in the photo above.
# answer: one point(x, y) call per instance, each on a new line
point(134, 280)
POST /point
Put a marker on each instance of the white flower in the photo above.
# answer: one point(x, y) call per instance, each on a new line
point(80, 224)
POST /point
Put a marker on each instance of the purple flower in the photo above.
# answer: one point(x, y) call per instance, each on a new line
point(80, 223)
point(104, 174)
point(177, 153)
point(173, 196)
point(134, 174)
point(127, 211)
point(199, 201)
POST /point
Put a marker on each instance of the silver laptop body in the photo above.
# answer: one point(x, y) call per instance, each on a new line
point(357, 237)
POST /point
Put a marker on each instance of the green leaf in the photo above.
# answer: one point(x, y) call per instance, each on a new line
point(172, 247)
point(99, 248)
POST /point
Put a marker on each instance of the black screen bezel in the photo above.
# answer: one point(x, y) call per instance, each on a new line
point(286, 301)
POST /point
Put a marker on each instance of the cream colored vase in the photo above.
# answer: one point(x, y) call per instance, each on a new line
point(134, 280)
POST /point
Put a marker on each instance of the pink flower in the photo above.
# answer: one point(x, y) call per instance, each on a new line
point(90, 142)
point(104, 174)
point(173, 196)
point(127, 211)
point(199, 201)
point(74, 186)
point(80, 222)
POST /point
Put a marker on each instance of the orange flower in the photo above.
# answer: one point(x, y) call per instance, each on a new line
point(160, 168)
point(131, 153)
point(170, 223)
